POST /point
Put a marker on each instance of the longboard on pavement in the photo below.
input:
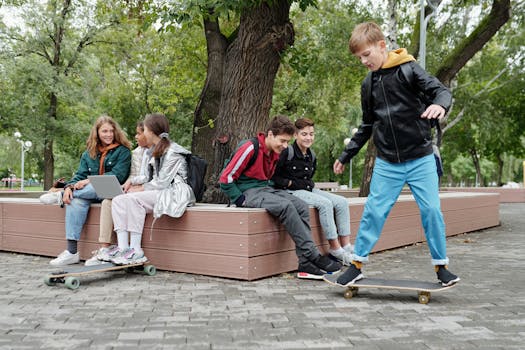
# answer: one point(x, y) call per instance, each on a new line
point(423, 289)
point(70, 274)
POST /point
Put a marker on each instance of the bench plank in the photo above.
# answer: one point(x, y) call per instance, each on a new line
point(240, 243)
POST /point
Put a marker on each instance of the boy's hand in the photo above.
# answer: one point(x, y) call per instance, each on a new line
point(433, 112)
point(338, 167)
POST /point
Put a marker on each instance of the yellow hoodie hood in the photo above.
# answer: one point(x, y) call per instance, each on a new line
point(397, 57)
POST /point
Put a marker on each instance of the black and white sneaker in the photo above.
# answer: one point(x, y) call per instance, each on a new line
point(308, 270)
point(350, 276)
point(326, 264)
point(446, 277)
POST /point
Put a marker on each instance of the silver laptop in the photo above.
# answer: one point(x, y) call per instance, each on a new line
point(106, 186)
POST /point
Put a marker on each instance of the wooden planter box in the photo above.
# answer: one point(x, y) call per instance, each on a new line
point(240, 243)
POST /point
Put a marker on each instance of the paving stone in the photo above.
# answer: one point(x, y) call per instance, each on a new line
point(183, 311)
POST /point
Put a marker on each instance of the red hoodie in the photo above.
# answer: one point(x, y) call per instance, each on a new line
point(235, 178)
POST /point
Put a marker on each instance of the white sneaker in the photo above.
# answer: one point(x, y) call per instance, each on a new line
point(100, 256)
point(65, 258)
point(52, 198)
point(107, 254)
point(93, 261)
point(130, 256)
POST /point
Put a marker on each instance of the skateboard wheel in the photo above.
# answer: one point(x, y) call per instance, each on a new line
point(424, 298)
point(49, 281)
point(349, 294)
point(150, 270)
point(72, 282)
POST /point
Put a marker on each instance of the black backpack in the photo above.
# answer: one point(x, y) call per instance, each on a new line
point(196, 174)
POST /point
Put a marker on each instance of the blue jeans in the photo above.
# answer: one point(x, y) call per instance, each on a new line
point(387, 182)
point(328, 205)
point(77, 211)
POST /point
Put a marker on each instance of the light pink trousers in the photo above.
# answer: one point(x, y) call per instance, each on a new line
point(129, 210)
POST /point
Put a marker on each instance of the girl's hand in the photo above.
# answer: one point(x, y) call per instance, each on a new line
point(67, 196)
point(126, 186)
point(81, 184)
point(138, 188)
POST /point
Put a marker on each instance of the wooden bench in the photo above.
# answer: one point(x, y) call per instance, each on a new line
point(240, 243)
point(327, 186)
point(507, 195)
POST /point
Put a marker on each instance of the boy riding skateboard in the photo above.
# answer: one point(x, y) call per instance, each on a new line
point(399, 114)
point(248, 184)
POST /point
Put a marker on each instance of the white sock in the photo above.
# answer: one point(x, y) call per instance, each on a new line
point(136, 238)
point(337, 252)
point(348, 248)
point(122, 239)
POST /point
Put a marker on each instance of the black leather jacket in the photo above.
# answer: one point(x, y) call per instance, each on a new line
point(299, 170)
point(394, 114)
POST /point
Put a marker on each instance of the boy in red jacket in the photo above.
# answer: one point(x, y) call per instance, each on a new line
point(250, 186)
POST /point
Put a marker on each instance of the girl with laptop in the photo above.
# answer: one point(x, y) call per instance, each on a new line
point(107, 153)
point(138, 175)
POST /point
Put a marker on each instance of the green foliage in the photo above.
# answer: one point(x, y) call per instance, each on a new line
point(150, 56)
point(319, 79)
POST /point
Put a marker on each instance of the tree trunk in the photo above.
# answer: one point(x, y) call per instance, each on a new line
point(207, 108)
point(467, 48)
point(49, 159)
point(368, 170)
point(475, 160)
point(392, 25)
point(249, 68)
point(500, 171)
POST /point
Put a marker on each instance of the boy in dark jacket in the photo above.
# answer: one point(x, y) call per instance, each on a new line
point(397, 112)
point(251, 187)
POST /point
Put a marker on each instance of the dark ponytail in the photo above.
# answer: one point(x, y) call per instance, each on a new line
point(160, 126)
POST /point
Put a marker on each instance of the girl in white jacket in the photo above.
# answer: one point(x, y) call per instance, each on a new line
point(166, 192)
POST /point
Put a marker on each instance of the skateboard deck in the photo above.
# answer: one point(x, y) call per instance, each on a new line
point(69, 275)
point(423, 289)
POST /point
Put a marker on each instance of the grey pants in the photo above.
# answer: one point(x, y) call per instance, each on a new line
point(292, 212)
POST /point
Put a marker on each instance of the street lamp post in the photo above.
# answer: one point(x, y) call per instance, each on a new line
point(346, 142)
point(25, 146)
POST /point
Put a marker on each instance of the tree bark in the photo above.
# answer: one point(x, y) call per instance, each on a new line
point(477, 166)
point(55, 61)
point(467, 48)
point(49, 159)
point(207, 108)
point(250, 64)
point(368, 169)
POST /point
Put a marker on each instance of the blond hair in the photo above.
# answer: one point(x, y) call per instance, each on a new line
point(367, 33)
point(93, 140)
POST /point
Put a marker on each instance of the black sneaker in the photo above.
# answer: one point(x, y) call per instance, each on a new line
point(446, 277)
point(326, 264)
point(308, 270)
point(350, 276)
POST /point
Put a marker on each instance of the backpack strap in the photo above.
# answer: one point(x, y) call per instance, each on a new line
point(367, 84)
point(291, 153)
point(408, 74)
point(255, 142)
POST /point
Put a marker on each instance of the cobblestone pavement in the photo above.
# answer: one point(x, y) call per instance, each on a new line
point(184, 311)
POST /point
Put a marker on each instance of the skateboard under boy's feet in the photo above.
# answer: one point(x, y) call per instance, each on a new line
point(69, 275)
point(423, 289)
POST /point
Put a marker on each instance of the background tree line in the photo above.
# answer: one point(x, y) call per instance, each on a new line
point(218, 69)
